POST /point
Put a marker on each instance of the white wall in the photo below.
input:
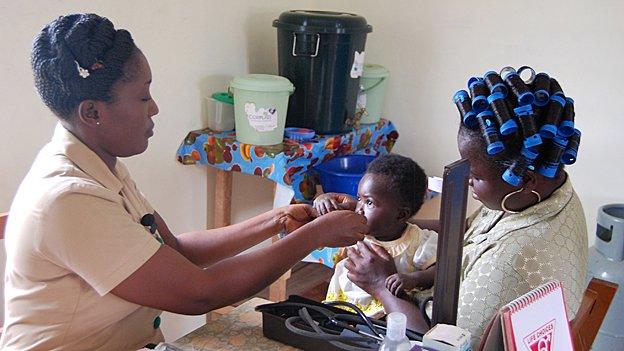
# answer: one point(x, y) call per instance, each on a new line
point(431, 48)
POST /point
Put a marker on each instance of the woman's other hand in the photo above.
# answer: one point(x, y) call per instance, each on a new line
point(369, 266)
point(338, 229)
point(329, 202)
point(293, 217)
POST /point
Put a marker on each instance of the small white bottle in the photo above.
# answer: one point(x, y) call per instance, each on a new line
point(395, 339)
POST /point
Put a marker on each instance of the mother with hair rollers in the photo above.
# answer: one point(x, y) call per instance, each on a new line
point(518, 137)
point(90, 264)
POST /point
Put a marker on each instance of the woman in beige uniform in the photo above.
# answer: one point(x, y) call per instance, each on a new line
point(90, 263)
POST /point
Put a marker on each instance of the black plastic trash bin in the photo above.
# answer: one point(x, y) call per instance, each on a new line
point(322, 54)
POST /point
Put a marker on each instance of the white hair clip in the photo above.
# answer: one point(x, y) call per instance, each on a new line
point(83, 72)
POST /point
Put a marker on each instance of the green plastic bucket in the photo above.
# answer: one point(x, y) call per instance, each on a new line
point(373, 81)
point(260, 106)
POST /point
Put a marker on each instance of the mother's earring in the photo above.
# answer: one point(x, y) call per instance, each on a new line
point(539, 199)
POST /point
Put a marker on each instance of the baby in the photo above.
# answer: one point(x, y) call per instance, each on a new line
point(391, 191)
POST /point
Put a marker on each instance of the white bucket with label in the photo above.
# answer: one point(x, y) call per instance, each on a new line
point(260, 106)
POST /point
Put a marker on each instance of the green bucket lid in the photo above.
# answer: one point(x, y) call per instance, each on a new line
point(372, 70)
point(223, 97)
point(262, 82)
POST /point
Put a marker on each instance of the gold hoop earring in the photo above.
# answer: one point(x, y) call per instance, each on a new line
point(507, 197)
point(539, 199)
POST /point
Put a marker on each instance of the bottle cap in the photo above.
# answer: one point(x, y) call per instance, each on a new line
point(523, 110)
point(569, 156)
point(500, 88)
point(495, 147)
point(529, 154)
point(548, 170)
point(507, 71)
point(541, 97)
point(548, 131)
point(532, 141)
point(470, 119)
point(396, 324)
point(526, 98)
point(509, 127)
point(488, 73)
point(473, 80)
point(511, 178)
point(566, 128)
point(494, 97)
point(460, 96)
point(479, 103)
point(485, 114)
point(558, 99)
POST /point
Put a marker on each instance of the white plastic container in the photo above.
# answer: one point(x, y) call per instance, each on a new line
point(395, 339)
point(220, 112)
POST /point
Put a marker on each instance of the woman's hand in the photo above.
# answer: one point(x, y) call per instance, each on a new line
point(369, 266)
point(329, 202)
point(337, 229)
point(293, 217)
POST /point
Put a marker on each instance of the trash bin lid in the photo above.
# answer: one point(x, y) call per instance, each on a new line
point(325, 22)
point(262, 82)
point(372, 70)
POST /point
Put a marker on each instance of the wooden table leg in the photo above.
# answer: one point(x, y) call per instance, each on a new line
point(277, 290)
point(222, 210)
point(223, 199)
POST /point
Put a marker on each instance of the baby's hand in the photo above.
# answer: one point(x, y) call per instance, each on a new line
point(395, 284)
point(328, 202)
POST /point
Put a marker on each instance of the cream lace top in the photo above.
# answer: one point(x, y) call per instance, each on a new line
point(414, 250)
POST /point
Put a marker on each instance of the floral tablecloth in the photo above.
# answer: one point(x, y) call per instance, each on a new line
point(288, 163)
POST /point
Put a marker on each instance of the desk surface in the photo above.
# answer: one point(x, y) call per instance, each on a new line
point(239, 329)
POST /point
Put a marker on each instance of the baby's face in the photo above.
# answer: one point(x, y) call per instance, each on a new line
point(379, 207)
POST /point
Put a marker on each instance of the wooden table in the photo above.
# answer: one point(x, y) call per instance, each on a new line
point(239, 329)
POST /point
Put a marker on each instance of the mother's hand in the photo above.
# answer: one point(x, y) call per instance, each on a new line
point(369, 265)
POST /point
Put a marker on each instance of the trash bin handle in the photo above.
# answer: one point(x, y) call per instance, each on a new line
point(318, 41)
point(374, 85)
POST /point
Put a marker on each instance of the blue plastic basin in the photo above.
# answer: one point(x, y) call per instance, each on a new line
point(343, 174)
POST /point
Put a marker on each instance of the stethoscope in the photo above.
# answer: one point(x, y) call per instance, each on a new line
point(362, 340)
point(149, 222)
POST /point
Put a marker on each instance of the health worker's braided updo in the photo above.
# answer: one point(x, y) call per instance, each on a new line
point(79, 57)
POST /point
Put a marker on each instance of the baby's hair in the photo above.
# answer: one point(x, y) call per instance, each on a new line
point(405, 179)
point(79, 57)
point(525, 125)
